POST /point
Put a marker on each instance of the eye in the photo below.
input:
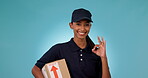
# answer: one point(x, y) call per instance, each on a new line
point(78, 24)
point(87, 24)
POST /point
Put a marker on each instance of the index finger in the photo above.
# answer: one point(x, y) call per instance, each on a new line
point(99, 40)
point(103, 41)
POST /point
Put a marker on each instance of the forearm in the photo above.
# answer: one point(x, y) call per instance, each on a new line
point(37, 72)
point(105, 68)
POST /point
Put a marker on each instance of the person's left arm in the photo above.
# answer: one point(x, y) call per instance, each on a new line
point(101, 51)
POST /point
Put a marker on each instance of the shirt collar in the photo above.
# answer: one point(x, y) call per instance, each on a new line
point(75, 48)
point(73, 45)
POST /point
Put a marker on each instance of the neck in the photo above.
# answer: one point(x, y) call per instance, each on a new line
point(80, 42)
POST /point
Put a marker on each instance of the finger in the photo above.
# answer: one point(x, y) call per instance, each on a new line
point(99, 40)
point(95, 47)
point(93, 50)
point(103, 41)
point(105, 44)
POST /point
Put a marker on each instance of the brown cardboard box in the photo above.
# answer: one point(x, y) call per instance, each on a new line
point(56, 69)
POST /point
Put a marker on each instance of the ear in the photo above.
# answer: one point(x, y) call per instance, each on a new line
point(71, 25)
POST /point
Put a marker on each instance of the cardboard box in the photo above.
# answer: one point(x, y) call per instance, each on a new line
point(56, 69)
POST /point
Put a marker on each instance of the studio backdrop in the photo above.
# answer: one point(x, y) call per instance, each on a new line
point(28, 28)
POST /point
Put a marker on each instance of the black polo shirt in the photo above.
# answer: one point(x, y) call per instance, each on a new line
point(82, 63)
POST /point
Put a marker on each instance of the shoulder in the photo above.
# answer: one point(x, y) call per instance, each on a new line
point(60, 45)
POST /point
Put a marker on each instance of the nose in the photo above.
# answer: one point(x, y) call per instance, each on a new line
point(83, 27)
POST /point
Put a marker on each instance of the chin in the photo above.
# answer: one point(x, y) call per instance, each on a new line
point(82, 37)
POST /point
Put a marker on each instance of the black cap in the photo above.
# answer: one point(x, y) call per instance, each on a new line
point(80, 14)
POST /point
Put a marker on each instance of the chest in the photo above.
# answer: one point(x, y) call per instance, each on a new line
point(81, 62)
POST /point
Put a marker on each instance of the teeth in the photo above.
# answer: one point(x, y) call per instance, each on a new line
point(81, 33)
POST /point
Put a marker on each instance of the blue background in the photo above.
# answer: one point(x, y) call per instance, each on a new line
point(28, 28)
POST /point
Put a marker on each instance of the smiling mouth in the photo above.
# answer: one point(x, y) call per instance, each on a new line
point(82, 33)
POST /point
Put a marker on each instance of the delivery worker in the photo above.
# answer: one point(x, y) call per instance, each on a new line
point(83, 58)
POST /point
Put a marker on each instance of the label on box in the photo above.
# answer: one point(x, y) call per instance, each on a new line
point(54, 70)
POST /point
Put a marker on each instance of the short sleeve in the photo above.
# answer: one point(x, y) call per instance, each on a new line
point(51, 55)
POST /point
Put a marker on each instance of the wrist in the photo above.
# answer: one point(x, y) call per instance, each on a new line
point(104, 58)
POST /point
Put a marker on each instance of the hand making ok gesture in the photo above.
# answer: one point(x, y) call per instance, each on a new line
point(100, 49)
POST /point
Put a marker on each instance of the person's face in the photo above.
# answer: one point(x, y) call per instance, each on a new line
point(80, 28)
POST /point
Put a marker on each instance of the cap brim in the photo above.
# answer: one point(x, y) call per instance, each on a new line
point(83, 18)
